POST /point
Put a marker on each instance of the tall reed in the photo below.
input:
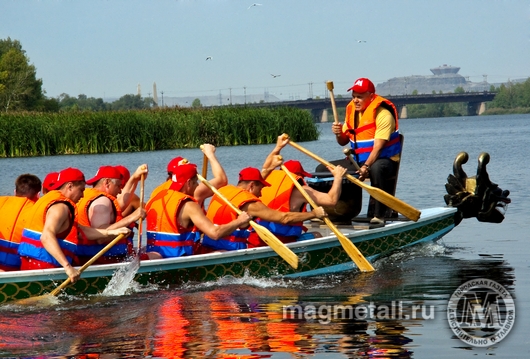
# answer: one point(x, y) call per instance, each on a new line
point(38, 134)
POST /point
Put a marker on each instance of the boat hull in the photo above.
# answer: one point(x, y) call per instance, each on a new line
point(317, 257)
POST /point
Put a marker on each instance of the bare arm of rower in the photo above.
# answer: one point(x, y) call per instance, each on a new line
point(258, 209)
point(191, 213)
point(330, 198)
point(127, 193)
point(58, 221)
point(272, 161)
point(219, 175)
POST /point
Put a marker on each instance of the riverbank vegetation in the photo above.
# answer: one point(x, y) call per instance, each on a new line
point(89, 132)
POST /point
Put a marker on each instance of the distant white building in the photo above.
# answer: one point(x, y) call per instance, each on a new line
point(445, 78)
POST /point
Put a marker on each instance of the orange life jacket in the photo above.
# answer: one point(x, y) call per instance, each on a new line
point(278, 197)
point(87, 248)
point(164, 234)
point(12, 210)
point(30, 244)
point(362, 136)
point(221, 213)
point(161, 188)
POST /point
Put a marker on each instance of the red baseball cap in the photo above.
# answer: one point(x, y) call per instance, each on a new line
point(181, 174)
point(252, 174)
point(296, 168)
point(69, 174)
point(105, 172)
point(125, 174)
point(50, 180)
point(362, 85)
point(175, 162)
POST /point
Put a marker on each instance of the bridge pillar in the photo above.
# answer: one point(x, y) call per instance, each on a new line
point(482, 108)
point(474, 108)
point(403, 112)
point(324, 116)
point(316, 114)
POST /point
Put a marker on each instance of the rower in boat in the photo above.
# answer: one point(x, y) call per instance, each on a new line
point(12, 209)
point(202, 192)
point(283, 195)
point(50, 228)
point(175, 220)
point(245, 196)
point(100, 208)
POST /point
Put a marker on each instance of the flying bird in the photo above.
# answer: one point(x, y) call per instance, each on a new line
point(255, 4)
point(361, 41)
point(208, 58)
point(274, 76)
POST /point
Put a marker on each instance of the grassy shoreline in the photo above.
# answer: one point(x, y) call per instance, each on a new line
point(27, 134)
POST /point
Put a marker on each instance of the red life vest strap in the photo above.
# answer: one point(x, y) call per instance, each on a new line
point(358, 130)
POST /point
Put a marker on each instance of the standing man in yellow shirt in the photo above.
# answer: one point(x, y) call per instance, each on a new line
point(371, 128)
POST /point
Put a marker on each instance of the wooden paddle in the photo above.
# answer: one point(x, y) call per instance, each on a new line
point(378, 194)
point(266, 235)
point(347, 152)
point(48, 299)
point(204, 166)
point(354, 253)
point(140, 226)
point(329, 84)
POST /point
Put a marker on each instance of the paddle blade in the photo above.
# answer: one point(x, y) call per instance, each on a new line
point(350, 248)
point(387, 199)
point(329, 85)
point(45, 300)
point(276, 245)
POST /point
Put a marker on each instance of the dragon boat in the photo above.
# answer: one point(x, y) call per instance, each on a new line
point(466, 197)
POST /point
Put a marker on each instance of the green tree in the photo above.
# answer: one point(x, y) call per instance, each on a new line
point(196, 103)
point(130, 102)
point(19, 87)
point(459, 89)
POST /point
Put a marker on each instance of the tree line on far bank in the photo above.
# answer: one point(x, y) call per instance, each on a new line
point(21, 90)
point(511, 98)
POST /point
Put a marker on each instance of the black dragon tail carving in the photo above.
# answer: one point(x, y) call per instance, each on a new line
point(475, 196)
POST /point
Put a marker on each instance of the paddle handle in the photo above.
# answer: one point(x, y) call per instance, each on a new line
point(140, 225)
point(204, 163)
point(205, 166)
point(89, 263)
point(347, 152)
point(329, 84)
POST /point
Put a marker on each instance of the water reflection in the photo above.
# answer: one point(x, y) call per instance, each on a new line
point(250, 321)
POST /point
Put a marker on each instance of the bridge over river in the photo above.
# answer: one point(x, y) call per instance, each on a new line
point(319, 107)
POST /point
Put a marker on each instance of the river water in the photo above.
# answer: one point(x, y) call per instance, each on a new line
point(242, 318)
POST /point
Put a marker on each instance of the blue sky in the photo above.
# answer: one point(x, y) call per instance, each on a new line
point(105, 48)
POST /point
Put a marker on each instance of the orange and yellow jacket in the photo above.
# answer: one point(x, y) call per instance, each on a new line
point(30, 244)
point(362, 137)
point(87, 248)
point(278, 197)
point(12, 209)
point(164, 234)
point(220, 213)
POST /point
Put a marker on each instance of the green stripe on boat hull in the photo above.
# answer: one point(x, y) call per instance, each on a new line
point(317, 256)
